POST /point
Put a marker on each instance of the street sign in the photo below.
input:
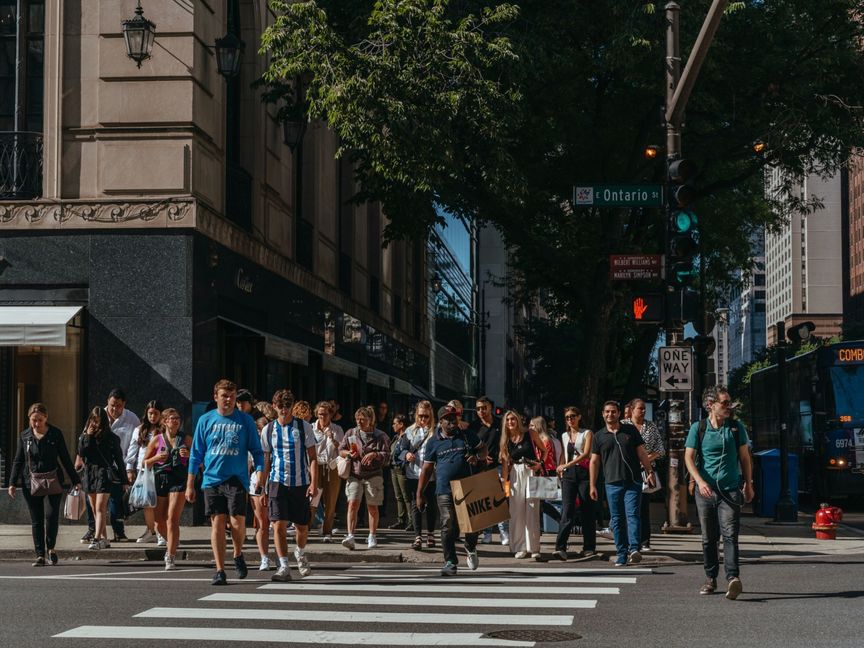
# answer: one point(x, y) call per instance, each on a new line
point(627, 267)
point(676, 369)
point(608, 195)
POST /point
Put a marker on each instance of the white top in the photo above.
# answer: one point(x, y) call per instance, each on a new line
point(327, 445)
point(124, 427)
point(579, 443)
point(135, 453)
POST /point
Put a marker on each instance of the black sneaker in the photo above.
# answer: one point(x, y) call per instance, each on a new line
point(52, 556)
point(87, 538)
point(219, 578)
point(240, 566)
point(39, 562)
point(120, 537)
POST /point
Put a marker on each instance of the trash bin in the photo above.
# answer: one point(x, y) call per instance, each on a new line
point(766, 475)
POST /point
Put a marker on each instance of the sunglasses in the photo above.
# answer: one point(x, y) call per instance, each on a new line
point(571, 416)
point(425, 416)
point(726, 402)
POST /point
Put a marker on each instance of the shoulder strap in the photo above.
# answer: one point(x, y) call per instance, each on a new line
point(703, 426)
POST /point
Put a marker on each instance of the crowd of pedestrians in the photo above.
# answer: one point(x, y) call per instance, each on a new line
point(288, 463)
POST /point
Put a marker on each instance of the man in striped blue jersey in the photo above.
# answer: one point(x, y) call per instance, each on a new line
point(292, 465)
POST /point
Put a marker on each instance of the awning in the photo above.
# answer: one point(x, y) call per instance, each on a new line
point(377, 378)
point(35, 325)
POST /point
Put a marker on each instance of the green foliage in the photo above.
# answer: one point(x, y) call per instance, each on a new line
point(495, 110)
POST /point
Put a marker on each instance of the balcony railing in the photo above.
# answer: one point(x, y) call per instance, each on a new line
point(20, 165)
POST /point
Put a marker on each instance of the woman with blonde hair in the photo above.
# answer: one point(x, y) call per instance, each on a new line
point(369, 450)
point(411, 452)
point(519, 450)
point(575, 482)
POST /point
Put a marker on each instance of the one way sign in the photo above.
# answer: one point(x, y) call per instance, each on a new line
point(676, 369)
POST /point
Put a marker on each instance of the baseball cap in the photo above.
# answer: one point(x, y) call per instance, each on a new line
point(245, 396)
point(447, 410)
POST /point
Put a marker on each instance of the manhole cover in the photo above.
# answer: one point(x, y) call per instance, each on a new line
point(532, 635)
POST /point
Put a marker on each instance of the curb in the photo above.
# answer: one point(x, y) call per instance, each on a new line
point(191, 555)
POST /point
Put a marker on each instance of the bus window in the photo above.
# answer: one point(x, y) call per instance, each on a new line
point(848, 386)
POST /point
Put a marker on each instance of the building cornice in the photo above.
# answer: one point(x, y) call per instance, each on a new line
point(36, 215)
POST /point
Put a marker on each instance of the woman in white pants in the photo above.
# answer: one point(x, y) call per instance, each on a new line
point(519, 458)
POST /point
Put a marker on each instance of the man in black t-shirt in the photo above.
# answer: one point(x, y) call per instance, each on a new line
point(487, 427)
point(620, 450)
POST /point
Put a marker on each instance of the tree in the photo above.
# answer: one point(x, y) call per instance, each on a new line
point(494, 110)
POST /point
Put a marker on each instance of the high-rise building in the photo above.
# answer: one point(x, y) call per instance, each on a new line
point(803, 266)
point(746, 330)
point(158, 232)
point(853, 245)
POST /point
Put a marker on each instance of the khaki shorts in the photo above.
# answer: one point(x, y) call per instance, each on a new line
point(372, 487)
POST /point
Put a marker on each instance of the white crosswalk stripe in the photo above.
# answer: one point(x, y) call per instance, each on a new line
point(366, 601)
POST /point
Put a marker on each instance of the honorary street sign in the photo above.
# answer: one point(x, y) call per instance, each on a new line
point(607, 195)
point(676, 368)
point(625, 267)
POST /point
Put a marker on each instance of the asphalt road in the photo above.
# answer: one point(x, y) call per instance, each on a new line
point(784, 604)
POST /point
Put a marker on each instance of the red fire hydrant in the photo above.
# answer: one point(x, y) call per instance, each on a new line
point(827, 518)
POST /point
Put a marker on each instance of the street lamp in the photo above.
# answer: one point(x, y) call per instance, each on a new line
point(436, 283)
point(139, 34)
point(229, 51)
point(292, 132)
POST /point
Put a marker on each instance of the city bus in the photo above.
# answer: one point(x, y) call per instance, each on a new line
point(824, 414)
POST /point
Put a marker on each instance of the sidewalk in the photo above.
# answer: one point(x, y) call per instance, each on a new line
point(759, 540)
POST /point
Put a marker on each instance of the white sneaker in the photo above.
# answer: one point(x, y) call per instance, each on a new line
point(520, 555)
point(291, 530)
point(487, 537)
point(537, 557)
point(505, 539)
point(282, 575)
point(169, 563)
point(147, 536)
point(160, 541)
point(302, 563)
point(348, 542)
point(327, 539)
point(95, 545)
point(265, 565)
point(473, 560)
point(371, 542)
point(104, 544)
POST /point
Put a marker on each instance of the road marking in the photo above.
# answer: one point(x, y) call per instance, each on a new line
point(418, 588)
point(358, 617)
point(145, 576)
point(564, 571)
point(335, 601)
point(485, 578)
point(247, 635)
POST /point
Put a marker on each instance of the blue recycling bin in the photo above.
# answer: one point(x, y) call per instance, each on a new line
point(766, 474)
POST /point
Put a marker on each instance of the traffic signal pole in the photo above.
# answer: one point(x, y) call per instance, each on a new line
point(678, 89)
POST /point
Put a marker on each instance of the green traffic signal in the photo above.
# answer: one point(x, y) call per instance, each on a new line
point(684, 221)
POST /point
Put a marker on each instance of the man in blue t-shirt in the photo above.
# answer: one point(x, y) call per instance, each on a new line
point(223, 440)
point(451, 453)
point(713, 460)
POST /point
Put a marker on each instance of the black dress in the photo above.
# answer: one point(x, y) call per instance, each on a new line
point(103, 462)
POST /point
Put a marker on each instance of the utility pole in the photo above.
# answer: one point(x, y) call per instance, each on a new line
point(785, 511)
point(679, 86)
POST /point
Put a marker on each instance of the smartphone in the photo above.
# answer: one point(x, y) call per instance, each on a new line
point(259, 490)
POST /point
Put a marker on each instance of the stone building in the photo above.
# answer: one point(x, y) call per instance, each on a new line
point(157, 234)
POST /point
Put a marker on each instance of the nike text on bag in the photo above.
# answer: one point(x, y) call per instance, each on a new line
point(480, 501)
point(75, 504)
point(544, 488)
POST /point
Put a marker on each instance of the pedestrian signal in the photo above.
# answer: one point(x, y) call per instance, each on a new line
point(647, 308)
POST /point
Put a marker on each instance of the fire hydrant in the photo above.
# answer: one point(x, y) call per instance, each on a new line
point(827, 518)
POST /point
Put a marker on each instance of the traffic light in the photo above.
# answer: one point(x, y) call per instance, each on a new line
point(682, 239)
point(647, 308)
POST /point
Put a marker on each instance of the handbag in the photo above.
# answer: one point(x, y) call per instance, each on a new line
point(343, 467)
point(113, 475)
point(44, 483)
point(648, 489)
point(75, 504)
point(143, 492)
point(544, 488)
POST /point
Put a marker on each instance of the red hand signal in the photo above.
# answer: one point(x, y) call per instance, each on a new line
point(639, 308)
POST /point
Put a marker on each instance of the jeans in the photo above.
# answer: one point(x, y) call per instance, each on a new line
point(450, 530)
point(117, 510)
point(645, 521)
point(569, 491)
point(44, 518)
point(403, 505)
point(431, 506)
point(623, 500)
point(720, 515)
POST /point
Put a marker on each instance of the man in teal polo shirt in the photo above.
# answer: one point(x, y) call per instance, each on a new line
point(718, 458)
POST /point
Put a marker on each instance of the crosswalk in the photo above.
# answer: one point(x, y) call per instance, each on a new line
point(381, 606)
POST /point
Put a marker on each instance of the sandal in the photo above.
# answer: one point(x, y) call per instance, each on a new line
point(430, 540)
point(417, 544)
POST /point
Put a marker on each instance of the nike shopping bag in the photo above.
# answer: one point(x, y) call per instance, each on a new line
point(480, 501)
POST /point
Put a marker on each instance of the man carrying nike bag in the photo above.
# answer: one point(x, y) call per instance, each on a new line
point(453, 454)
